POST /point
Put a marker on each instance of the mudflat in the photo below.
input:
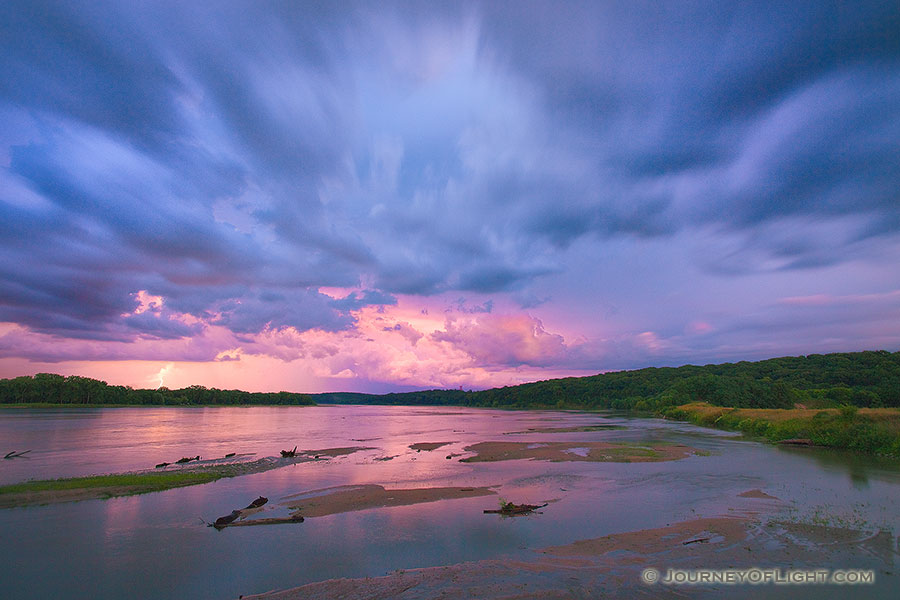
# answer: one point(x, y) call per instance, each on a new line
point(319, 503)
point(617, 566)
point(576, 451)
point(428, 445)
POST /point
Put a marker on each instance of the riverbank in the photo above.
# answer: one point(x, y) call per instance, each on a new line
point(73, 489)
point(867, 430)
point(655, 563)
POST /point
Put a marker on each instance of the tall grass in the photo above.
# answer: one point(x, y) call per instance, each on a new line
point(872, 431)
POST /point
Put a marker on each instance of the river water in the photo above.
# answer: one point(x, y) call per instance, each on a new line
point(156, 546)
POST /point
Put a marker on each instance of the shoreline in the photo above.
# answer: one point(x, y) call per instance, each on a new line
point(865, 431)
point(74, 489)
point(634, 564)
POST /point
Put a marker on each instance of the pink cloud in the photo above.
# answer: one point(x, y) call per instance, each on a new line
point(431, 343)
point(509, 340)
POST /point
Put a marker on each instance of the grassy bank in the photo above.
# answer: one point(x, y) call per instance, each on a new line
point(50, 491)
point(100, 486)
point(869, 430)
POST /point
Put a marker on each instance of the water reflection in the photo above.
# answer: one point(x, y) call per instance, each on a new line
point(859, 468)
point(149, 539)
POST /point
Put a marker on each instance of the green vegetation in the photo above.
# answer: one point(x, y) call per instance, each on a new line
point(144, 482)
point(838, 390)
point(869, 430)
point(863, 379)
point(833, 400)
point(101, 486)
point(46, 388)
point(126, 484)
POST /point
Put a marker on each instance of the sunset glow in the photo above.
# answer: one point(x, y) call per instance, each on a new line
point(380, 197)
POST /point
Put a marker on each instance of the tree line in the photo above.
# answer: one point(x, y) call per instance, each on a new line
point(48, 388)
point(863, 379)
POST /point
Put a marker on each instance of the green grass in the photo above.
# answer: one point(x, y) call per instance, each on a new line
point(139, 482)
point(869, 431)
point(48, 491)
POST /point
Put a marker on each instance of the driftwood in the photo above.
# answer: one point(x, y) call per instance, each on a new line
point(162, 464)
point(696, 541)
point(270, 521)
point(258, 502)
point(15, 454)
point(289, 453)
point(187, 459)
point(231, 520)
point(230, 454)
point(223, 521)
point(508, 508)
point(796, 442)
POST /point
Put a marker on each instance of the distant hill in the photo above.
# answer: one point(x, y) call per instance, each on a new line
point(864, 379)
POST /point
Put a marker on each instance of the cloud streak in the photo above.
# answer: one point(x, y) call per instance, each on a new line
point(241, 162)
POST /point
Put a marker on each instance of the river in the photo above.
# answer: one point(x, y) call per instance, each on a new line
point(156, 546)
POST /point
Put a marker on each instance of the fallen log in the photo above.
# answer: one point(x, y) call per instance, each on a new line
point(162, 464)
point(227, 519)
point(514, 509)
point(269, 521)
point(696, 541)
point(257, 503)
point(289, 453)
point(15, 454)
point(187, 459)
point(230, 454)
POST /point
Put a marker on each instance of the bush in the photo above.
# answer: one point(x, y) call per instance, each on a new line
point(848, 411)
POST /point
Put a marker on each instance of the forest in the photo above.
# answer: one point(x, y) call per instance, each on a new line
point(47, 388)
point(863, 379)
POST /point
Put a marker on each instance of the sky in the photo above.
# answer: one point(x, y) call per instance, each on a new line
point(379, 196)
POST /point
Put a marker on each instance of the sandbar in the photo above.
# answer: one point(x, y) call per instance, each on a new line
point(726, 530)
point(576, 429)
point(576, 451)
point(614, 566)
point(757, 494)
point(74, 489)
point(429, 446)
point(342, 499)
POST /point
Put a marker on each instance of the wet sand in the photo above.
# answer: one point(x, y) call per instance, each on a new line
point(429, 446)
point(332, 501)
point(576, 451)
point(757, 494)
point(719, 530)
point(579, 429)
point(612, 566)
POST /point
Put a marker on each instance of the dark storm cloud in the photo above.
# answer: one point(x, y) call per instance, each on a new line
point(357, 300)
point(234, 158)
point(301, 309)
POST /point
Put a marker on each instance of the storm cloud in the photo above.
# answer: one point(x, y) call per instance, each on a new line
point(269, 166)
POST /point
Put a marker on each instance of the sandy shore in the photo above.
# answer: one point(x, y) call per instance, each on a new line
point(576, 451)
point(613, 566)
point(331, 501)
